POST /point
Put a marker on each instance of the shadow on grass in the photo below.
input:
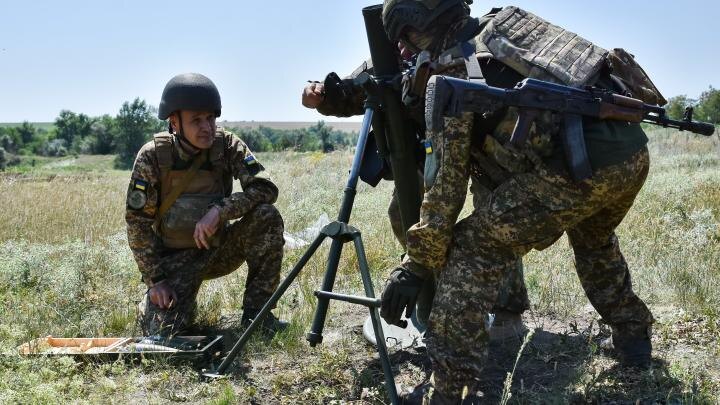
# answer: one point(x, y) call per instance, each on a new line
point(554, 368)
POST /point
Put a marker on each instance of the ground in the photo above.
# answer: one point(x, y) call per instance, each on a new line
point(66, 271)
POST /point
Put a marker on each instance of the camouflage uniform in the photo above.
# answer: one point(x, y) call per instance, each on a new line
point(257, 237)
point(530, 209)
point(513, 297)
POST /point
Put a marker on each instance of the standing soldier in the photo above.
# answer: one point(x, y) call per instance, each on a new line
point(179, 205)
point(534, 198)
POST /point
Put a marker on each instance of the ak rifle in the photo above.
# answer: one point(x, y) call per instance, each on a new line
point(449, 96)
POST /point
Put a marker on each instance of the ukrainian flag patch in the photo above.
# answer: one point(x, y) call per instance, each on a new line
point(140, 185)
point(428, 147)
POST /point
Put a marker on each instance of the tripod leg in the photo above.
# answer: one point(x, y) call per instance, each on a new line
point(315, 336)
point(267, 307)
point(375, 318)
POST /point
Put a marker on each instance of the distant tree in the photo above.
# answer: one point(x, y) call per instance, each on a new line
point(72, 127)
point(324, 134)
point(53, 147)
point(102, 136)
point(676, 106)
point(708, 108)
point(27, 132)
point(3, 159)
point(6, 140)
point(136, 122)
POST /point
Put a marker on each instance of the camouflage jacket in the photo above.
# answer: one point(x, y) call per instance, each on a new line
point(238, 163)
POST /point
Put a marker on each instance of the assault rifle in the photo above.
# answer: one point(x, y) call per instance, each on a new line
point(449, 96)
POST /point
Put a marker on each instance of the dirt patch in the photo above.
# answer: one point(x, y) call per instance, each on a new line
point(561, 363)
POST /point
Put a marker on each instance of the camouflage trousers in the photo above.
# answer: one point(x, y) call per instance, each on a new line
point(257, 238)
point(513, 295)
point(532, 210)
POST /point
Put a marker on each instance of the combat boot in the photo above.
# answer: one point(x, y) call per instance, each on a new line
point(506, 325)
point(270, 325)
point(630, 344)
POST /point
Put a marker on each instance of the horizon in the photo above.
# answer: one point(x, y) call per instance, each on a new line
point(89, 58)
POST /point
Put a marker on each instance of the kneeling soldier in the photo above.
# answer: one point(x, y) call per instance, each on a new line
point(179, 205)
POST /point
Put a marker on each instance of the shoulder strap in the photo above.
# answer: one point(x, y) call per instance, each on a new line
point(184, 182)
point(471, 63)
point(164, 153)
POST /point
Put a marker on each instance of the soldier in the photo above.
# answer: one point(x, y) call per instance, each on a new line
point(342, 98)
point(534, 199)
point(179, 205)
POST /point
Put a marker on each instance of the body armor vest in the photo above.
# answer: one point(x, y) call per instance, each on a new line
point(208, 185)
point(538, 49)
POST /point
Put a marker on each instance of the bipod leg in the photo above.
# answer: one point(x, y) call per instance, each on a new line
point(343, 233)
point(315, 337)
point(242, 341)
point(375, 318)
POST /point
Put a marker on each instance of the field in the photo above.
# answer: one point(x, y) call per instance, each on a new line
point(66, 271)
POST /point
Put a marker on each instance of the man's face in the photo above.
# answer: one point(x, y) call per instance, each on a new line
point(198, 127)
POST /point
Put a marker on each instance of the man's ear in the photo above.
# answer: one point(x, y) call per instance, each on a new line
point(174, 120)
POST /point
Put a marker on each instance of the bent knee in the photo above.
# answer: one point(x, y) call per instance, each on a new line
point(265, 213)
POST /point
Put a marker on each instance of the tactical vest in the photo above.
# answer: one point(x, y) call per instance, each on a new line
point(538, 49)
point(209, 185)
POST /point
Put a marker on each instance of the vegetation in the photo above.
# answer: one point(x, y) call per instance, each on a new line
point(66, 271)
point(707, 107)
point(124, 134)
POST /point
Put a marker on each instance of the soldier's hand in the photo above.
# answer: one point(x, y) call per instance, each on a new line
point(162, 295)
point(400, 294)
point(206, 227)
point(313, 95)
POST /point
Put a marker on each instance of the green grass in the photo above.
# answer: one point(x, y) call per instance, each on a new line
point(66, 270)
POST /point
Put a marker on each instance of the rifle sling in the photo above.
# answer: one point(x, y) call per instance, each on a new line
point(184, 182)
point(471, 63)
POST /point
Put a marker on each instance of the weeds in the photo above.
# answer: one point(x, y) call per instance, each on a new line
point(66, 270)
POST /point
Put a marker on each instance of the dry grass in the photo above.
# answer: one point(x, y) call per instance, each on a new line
point(65, 270)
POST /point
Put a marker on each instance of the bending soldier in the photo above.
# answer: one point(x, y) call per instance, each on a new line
point(343, 98)
point(179, 205)
point(533, 199)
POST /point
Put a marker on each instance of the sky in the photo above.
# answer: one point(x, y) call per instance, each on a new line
point(91, 56)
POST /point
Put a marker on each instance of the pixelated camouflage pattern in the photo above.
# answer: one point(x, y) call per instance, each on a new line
point(143, 241)
point(531, 211)
point(513, 295)
point(538, 49)
point(257, 238)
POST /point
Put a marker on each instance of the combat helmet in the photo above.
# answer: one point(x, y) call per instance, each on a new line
point(189, 91)
point(421, 15)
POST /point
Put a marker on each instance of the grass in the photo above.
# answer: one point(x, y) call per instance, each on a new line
point(65, 270)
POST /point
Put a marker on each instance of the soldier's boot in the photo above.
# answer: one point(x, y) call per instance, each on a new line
point(270, 325)
point(631, 345)
point(506, 325)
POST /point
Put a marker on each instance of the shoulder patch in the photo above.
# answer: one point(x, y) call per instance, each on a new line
point(136, 199)
point(137, 195)
point(252, 165)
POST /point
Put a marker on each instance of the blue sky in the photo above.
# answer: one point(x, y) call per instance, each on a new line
point(90, 56)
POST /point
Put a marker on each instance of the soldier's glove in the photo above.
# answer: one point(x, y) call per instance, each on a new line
point(401, 292)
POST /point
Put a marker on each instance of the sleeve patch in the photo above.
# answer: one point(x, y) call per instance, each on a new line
point(252, 165)
point(136, 199)
point(140, 185)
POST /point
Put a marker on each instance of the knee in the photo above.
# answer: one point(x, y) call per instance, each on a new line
point(266, 215)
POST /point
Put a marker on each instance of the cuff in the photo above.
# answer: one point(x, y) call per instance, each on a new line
point(417, 269)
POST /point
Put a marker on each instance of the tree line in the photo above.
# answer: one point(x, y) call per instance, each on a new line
point(707, 106)
point(124, 134)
